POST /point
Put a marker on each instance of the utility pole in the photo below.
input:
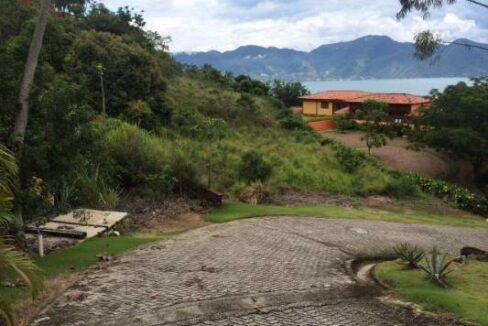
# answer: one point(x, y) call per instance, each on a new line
point(100, 74)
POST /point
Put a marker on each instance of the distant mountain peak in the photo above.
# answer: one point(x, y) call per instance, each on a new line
point(370, 56)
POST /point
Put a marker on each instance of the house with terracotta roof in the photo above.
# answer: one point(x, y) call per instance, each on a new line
point(401, 106)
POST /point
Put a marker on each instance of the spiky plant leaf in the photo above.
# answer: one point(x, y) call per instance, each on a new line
point(25, 267)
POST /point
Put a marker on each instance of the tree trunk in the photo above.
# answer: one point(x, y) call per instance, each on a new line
point(18, 135)
point(27, 79)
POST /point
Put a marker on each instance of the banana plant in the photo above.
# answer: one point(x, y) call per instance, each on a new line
point(437, 267)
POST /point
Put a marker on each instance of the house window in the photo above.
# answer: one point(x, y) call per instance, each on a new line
point(397, 120)
point(324, 105)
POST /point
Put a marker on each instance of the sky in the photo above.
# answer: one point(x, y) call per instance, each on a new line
point(202, 25)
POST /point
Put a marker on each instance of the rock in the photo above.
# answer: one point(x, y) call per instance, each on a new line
point(479, 254)
point(105, 257)
point(467, 251)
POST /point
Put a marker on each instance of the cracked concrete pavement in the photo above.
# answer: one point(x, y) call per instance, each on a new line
point(262, 271)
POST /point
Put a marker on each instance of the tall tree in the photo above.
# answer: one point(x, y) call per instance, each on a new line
point(373, 114)
point(289, 93)
point(427, 42)
point(457, 124)
point(28, 77)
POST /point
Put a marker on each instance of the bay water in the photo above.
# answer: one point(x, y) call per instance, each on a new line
point(418, 86)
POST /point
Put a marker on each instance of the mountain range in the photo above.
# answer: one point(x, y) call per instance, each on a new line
point(368, 57)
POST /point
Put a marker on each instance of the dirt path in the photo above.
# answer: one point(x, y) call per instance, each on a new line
point(396, 156)
point(267, 271)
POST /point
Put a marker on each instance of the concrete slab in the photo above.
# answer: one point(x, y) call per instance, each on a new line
point(92, 222)
point(91, 231)
point(91, 217)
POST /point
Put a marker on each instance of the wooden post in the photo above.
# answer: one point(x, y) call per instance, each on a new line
point(40, 244)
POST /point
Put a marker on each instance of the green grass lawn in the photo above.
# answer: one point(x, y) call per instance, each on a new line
point(467, 299)
point(78, 258)
point(233, 211)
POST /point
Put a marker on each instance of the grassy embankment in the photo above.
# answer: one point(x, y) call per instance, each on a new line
point(299, 161)
point(78, 258)
point(234, 211)
point(467, 299)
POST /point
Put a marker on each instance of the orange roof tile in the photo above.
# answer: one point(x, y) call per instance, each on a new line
point(361, 96)
point(393, 98)
point(335, 95)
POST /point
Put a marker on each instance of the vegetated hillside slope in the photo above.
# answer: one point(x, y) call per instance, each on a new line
point(363, 58)
point(167, 128)
point(297, 158)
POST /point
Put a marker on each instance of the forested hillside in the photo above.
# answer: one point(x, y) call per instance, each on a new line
point(167, 128)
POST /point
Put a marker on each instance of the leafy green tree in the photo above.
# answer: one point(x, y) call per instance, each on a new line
point(373, 113)
point(427, 43)
point(289, 93)
point(457, 123)
point(138, 112)
point(246, 84)
point(130, 72)
point(254, 167)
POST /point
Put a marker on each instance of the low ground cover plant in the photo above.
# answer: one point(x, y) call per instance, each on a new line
point(460, 197)
point(467, 297)
point(437, 267)
point(411, 255)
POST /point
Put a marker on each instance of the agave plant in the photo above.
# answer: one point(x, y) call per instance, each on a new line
point(437, 267)
point(9, 257)
point(409, 254)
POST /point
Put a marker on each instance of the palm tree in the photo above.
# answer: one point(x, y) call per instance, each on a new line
point(9, 257)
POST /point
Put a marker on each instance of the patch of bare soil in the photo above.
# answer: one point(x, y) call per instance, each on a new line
point(174, 214)
point(430, 206)
point(299, 198)
point(396, 154)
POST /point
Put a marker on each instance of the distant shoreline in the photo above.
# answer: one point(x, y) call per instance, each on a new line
point(419, 86)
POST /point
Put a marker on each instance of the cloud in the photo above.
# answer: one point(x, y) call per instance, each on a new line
point(197, 25)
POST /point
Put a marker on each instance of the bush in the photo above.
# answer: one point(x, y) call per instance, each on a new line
point(344, 123)
point(458, 196)
point(349, 159)
point(437, 267)
point(254, 193)
point(108, 197)
point(247, 103)
point(409, 254)
point(253, 167)
point(401, 186)
point(130, 153)
point(294, 122)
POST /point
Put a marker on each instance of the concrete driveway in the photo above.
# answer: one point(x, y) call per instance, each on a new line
point(263, 271)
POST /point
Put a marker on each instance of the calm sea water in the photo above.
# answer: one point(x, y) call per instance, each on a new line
point(419, 86)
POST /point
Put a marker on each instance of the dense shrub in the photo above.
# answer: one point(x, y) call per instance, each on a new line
point(128, 153)
point(344, 123)
point(254, 167)
point(401, 186)
point(459, 196)
point(349, 159)
point(293, 122)
point(247, 103)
